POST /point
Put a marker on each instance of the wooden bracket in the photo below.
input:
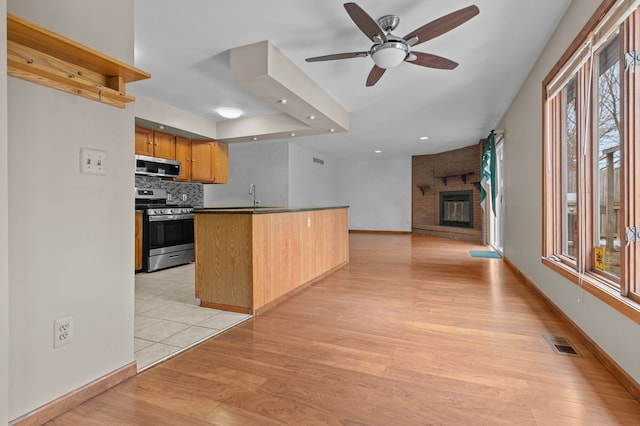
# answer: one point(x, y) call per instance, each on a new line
point(423, 188)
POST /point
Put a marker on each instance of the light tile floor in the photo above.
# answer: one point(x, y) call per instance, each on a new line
point(168, 318)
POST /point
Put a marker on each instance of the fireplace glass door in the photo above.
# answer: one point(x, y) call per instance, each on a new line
point(456, 209)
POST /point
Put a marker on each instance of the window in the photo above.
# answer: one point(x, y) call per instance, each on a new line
point(607, 161)
point(570, 172)
point(592, 158)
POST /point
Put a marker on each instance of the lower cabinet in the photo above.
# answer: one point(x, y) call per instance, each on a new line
point(138, 242)
point(247, 262)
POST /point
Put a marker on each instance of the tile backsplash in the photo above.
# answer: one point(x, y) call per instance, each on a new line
point(175, 190)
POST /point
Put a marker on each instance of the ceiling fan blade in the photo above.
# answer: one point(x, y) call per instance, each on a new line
point(444, 24)
point(431, 61)
point(338, 56)
point(374, 75)
point(365, 22)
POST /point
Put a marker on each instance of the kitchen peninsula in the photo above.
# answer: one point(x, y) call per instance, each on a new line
point(248, 259)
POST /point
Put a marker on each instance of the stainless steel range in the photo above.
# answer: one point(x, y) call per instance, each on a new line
point(167, 230)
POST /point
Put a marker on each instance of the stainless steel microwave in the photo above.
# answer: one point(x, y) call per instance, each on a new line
point(154, 166)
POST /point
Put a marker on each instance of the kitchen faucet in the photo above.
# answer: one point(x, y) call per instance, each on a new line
point(252, 191)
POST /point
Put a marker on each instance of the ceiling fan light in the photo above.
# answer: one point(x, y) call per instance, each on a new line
point(389, 55)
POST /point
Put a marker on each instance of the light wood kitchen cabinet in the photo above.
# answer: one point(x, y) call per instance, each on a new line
point(155, 144)
point(164, 145)
point(144, 141)
point(138, 242)
point(210, 161)
point(205, 161)
point(248, 260)
point(183, 155)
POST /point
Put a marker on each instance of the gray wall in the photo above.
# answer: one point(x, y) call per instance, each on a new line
point(523, 212)
point(4, 230)
point(284, 174)
point(263, 163)
point(71, 235)
point(379, 193)
point(312, 183)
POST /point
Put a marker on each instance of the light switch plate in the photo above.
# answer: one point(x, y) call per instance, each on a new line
point(93, 161)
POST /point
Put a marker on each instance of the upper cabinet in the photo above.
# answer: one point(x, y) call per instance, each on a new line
point(205, 161)
point(155, 144)
point(144, 141)
point(183, 155)
point(164, 145)
point(210, 161)
point(43, 57)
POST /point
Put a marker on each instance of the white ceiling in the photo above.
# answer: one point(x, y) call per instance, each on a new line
point(185, 46)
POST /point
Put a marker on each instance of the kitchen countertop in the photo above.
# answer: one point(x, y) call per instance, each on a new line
point(261, 209)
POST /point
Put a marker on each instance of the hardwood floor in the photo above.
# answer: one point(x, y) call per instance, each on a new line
point(413, 331)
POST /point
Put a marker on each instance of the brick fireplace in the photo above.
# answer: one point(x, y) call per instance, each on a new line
point(446, 196)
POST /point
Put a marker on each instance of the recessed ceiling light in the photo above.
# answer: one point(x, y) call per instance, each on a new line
point(255, 138)
point(161, 127)
point(293, 134)
point(424, 138)
point(312, 117)
point(377, 151)
point(228, 112)
point(332, 130)
point(282, 101)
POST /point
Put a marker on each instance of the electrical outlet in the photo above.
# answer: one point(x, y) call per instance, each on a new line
point(93, 161)
point(62, 331)
point(308, 222)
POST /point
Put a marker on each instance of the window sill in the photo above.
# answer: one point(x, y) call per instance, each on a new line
point(591, 284)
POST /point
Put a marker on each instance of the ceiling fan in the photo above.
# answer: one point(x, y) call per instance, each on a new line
point(389, 51)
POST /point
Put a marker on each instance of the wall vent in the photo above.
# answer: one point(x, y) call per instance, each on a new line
point(561, 345)
point(317, 160)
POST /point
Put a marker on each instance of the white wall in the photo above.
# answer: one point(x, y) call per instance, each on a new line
point(4, 239)
point(168, 115)
point(70, 235)
point(378, 193)
point(312, 184)
point(263, 163)
point(523, 212)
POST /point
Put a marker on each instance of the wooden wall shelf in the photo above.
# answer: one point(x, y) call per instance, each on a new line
point(43, 57)
point(462, 176)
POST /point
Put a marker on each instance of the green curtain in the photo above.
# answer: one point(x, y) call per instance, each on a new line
point(488, 171)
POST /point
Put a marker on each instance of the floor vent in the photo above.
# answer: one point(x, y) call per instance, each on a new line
point(561, 345)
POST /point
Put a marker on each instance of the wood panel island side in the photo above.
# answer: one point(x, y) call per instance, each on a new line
point(249, 259)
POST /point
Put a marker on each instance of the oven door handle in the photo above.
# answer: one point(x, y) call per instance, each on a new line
point(168, 217)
